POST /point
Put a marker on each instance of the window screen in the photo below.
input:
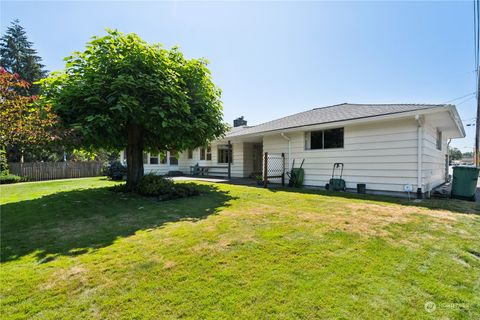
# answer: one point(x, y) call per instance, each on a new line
point(154, 159)
point(439, 140)
point(209, 153)
point(224, 154)
point(324, 139)
point(316, 140)
point(173, 157)
point(333, 138)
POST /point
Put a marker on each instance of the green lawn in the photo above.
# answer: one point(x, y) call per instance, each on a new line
point(75, 250)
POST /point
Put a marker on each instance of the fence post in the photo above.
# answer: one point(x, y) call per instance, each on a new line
point(283, 169)
point(265, 170)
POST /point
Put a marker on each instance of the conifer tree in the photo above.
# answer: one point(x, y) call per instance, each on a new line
point(17, 55)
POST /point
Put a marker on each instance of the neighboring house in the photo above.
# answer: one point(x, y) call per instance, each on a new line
point(385, 146)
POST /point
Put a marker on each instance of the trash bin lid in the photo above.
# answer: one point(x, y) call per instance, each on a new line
point(465, 168)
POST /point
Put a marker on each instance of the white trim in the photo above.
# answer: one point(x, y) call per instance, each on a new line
point(289, 149)
point(419, 119)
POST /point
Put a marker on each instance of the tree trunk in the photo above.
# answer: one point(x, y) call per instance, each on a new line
point(134, 155)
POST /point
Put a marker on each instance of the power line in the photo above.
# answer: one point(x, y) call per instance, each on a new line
point(469, 94)
point(466, 100)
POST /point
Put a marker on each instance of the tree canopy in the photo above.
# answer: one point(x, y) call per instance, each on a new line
point(122, 92)
point(455, 154)
point(24, 124)
point(17, 55)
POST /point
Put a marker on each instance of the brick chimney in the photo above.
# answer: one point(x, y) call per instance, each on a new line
point(239, 122)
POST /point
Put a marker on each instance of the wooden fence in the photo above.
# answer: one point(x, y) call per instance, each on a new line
point(36, 171)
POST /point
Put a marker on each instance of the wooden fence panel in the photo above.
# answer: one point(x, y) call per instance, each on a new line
point(37, 171)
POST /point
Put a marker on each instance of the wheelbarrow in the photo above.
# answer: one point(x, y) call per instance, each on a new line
point(296, 175)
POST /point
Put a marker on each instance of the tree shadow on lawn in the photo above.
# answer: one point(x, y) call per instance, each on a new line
point(453, 205)
point(73, 222)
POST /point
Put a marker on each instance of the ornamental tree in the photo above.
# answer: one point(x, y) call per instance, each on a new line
point(24, 123)
point(124, 93)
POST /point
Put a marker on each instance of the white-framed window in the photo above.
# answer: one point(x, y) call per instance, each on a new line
point(190, 154)
point(153, 158)
point(206, 153)
point(224, 154)
point(163, 158)
point(324, 139)
point(173, 157)
point(439, 140)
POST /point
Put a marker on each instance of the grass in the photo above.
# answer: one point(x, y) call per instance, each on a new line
point(73, 249)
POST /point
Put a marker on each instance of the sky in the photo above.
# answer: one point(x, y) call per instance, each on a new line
point(273, 59)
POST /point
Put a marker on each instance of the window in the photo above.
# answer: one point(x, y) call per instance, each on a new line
point(145, 158)
point(324, 139)
point(209, 153)
point(153, 158)
point(439, 139)
point(173, 157)
point(224, 154)
point(190, 154)
point(333, 138)
point(206, 153)
point(316, 140)
point(163, 158)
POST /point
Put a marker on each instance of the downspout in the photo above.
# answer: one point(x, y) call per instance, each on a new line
point(419, 155)
point(288, 139)
point(448, 160)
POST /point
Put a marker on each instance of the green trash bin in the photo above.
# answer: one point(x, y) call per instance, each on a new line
point(464, 183)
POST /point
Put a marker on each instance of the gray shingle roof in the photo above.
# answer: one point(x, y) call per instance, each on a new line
point(335, 113)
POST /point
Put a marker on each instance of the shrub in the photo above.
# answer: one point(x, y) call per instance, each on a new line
point(115, 170)
point(3, 162)
point(9, 178)
point(163, 188)
point(181, 190)
point(153, 185)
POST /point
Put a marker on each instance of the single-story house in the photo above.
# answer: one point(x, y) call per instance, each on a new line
point(389, 147)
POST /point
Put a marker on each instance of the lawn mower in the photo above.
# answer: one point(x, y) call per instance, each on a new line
point(337, 184)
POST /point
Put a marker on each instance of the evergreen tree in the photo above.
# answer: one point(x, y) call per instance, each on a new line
point(18, 56)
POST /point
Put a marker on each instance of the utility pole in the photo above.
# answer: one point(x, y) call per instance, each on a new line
point(477, 123)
